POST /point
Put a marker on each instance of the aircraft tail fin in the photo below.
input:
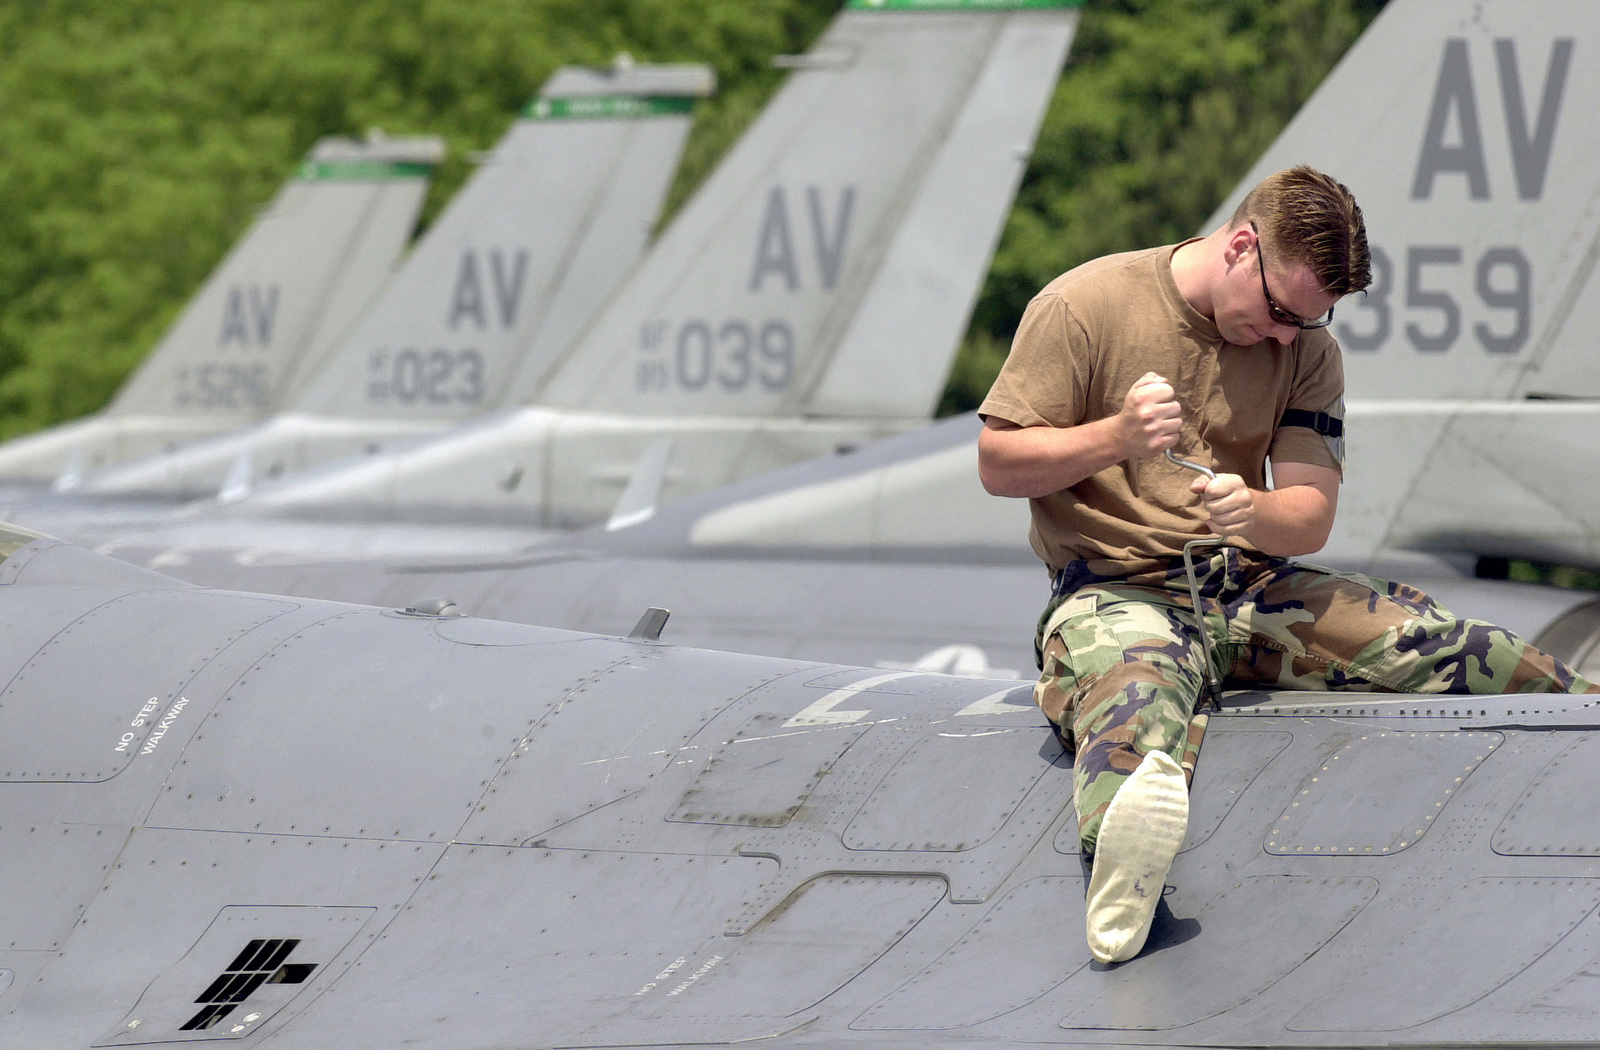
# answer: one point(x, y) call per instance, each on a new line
point(538, 237)
point(304, 272)
point(263, 319)
point(1462, 128)
point(829, 264)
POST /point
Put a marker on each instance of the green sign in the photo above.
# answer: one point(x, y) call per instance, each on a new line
point(362, 170)
point(607, 107)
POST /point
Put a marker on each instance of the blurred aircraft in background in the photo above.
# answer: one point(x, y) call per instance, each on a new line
point(810, 296)
point(266, 319)
point(536, 240)
point(909, 515)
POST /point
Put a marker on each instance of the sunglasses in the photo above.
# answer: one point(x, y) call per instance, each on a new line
point(1278, 313)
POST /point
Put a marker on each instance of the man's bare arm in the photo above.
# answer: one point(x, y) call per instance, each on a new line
point(1036, 461)
point(1293, 518)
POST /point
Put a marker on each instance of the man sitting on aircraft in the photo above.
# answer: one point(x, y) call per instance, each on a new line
point(1218, 346)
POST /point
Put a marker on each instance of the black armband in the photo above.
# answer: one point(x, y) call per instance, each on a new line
point(1321, 422)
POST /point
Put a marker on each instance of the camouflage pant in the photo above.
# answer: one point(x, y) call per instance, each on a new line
point(1120, 656)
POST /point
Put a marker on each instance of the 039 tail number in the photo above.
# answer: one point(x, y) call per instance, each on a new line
point(701, 356)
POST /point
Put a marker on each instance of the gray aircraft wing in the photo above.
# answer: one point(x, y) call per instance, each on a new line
point(811, 295)
point(298, 825)
point(530, 246)
point(264, 319)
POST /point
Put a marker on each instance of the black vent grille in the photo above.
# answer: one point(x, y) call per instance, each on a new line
point(262, 962)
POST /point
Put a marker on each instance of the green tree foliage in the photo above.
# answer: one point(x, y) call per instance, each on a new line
point(137, 138)
point(1163, 107)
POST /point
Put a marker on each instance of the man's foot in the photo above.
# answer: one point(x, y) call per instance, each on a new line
point(1139, 837)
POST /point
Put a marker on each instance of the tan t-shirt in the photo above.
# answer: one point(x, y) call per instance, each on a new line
point(1082, 344)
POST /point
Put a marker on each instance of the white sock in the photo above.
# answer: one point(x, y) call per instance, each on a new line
point(1139, 837)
